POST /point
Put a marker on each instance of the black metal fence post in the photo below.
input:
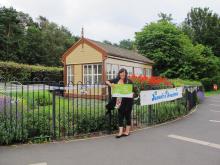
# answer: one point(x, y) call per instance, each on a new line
point(187, 99)
point(110, 112)
point(110, 122)
point(54, 113)
point(150, 115)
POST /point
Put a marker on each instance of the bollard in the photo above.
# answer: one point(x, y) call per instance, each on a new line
point(215, 87)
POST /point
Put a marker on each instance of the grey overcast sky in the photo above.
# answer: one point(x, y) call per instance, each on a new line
point(111, 20)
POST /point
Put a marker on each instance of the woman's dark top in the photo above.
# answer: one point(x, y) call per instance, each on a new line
point(126, 103)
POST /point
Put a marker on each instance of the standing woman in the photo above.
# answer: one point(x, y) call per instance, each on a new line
point(124, 105)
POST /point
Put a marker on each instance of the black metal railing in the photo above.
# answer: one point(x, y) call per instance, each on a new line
point(44, 110)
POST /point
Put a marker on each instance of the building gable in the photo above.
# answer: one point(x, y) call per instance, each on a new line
point(83, 51)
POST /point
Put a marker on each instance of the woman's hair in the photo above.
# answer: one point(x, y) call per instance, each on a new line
point(126, 74)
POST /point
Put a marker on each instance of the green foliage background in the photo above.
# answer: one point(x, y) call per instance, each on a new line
point(33, 42)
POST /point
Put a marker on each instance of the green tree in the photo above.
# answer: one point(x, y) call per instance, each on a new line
point(110, 43)
point(56, 40)
point(12, 31)
point(127, 44)
point(107, 42)
point(35, 50)
point(165, 17)
point(25, 41)
point(203, 27)
point(173, 52)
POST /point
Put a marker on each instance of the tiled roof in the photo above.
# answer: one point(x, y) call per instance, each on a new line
point(120, 52)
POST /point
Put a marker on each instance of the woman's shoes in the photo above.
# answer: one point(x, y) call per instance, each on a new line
point(125, 134)
point(119, 136)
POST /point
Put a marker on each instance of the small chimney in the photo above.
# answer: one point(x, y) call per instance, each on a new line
point(82, 33)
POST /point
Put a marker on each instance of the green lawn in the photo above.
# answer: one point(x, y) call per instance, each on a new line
point(42, 101)
point(212, 93)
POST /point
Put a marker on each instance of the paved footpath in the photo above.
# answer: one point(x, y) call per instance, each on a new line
point(194, 140)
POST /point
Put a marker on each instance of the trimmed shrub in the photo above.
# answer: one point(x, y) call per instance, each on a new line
point(181, 82)
point(24, 72)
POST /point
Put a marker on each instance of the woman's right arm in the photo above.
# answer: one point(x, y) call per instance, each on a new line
point(110, 83)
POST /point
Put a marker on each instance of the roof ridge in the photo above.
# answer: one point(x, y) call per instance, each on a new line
point(113, 46)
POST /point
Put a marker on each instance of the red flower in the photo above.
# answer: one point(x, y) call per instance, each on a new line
point(152, 81)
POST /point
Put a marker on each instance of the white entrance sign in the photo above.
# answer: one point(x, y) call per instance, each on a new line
point(157, 96)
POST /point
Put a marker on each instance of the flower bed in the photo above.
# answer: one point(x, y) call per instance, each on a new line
point(148, 83)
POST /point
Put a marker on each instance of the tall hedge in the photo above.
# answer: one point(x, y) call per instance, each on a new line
point(23, 72)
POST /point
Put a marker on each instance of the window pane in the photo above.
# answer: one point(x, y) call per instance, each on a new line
point(99, 69)
point(114, 69)
point(68, 79)
point(68, 70)
point(130, 70)
point(89, 69)
point(69, 74)
point(95, 69)
point(95, 79)
point(148, 72)
point(99, 79)
point(85, 69)
point(108, 77)
point(138, 71)
point(108, 68)
point(89, 79)
point(85, 80)
point(121, 66)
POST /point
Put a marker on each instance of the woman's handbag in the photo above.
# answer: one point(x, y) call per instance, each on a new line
point(111, 103)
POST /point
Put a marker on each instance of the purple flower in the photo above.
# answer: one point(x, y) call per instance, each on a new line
point(4, 102)
point(200, 96)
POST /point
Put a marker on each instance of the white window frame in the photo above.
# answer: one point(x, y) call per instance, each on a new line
point(128, 68)
point(139, 71)
point(111, 75)
point(93, 75)
point(148, 72)
point(69, 76)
